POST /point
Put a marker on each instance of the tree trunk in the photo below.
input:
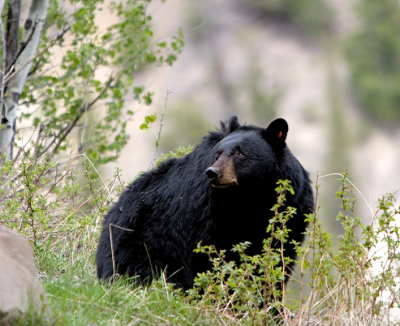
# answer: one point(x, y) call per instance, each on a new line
point(14, 76)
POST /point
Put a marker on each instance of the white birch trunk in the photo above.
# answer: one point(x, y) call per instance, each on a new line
point(1, 5)
point(31, 34)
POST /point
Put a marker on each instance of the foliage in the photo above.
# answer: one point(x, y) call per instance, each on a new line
point(83, 75)
point(374, 57)
point(338, 284)
point(258, 281)
point(345, 286)
point(48, 203)
point(176, 153)
point(313, 16)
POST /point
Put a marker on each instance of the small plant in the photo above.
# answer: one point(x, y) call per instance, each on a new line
point(339, 279)
point(345, 286)
point(52, 204)
point(177, 153)
point(252, 288)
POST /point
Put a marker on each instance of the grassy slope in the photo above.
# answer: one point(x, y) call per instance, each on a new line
point(76, 297)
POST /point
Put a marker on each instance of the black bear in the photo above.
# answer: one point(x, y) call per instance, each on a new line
point(221, 193)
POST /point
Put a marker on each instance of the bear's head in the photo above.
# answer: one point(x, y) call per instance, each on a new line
point(247, 154)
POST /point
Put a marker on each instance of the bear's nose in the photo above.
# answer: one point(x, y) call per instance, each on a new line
point(213, 173)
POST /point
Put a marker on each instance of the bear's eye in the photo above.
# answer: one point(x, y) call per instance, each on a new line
point(240, 154)
point(218, 154)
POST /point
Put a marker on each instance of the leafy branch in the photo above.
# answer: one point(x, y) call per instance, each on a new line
point(54, 98)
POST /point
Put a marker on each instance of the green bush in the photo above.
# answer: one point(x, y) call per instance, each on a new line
point(338, 284)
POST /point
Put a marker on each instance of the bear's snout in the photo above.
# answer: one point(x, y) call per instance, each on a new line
point(213, 174)
point(222, 173)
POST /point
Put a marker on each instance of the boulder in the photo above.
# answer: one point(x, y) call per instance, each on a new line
point(20, 288)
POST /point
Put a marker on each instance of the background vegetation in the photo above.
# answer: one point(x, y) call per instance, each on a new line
point(312, 16)
point(373, 54)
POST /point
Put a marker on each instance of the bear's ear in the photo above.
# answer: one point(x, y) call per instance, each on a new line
point(231, 126)
point(276, 133)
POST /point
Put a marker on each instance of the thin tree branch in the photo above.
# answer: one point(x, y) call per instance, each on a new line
point(62, 135)
point(161, 126)
point(83, 110)
point(55, 137)
point(37, 55)
point(67, 132)
point(59, 37)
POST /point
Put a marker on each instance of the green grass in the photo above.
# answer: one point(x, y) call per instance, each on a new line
point(88, 301)
point(77, 297)
point(85, 302)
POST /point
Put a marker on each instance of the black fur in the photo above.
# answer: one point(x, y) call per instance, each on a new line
point(173, 207)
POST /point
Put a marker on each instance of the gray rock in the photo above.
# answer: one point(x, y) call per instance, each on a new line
point(20, 289)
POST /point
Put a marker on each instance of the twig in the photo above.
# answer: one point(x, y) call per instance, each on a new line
point(58, 37)
point(63, 133)
point(91, 163)
point(161, 125)
point(84, 127)
point(38, 55)
point(354, 186)
point(112, 247)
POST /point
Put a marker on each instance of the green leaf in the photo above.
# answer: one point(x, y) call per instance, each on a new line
point(148, 98)
point(150, 118)
point(144, 127)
